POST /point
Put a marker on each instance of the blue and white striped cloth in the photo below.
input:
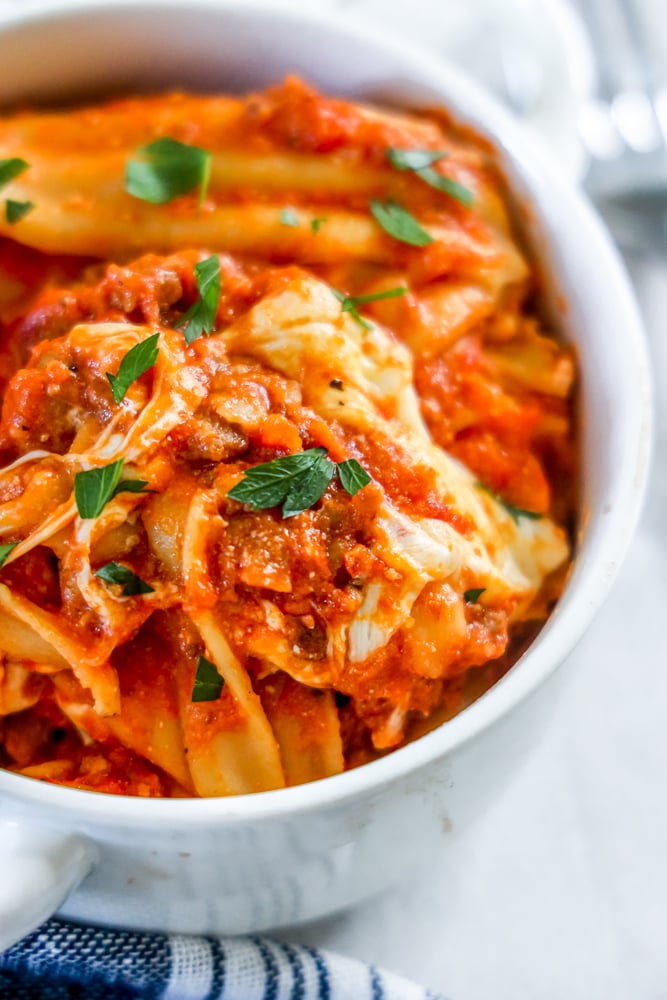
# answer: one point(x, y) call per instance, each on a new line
point(63, 961)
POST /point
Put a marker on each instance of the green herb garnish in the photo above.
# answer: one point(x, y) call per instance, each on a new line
point(351, 303)
point(414, 159)
point(11, 168)
point(400, 224)
point(297, 481)
point(288, 217)
point(353, 477)
point(138, 360)
point(200, 317)
point(316, 224)
point(208, 683)
point(94, 488)
point(132, 585)
point(421, 161)
point(170, 169)
point(132, 486)
point(5, 551)
point(473, 595)
point(516, 513)
point(17, 210)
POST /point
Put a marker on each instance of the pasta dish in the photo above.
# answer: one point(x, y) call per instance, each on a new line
point(287, 446)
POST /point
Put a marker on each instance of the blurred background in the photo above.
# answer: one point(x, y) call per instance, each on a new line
point(560, 891)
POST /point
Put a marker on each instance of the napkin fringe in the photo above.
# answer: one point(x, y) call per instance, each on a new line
point(63, 961)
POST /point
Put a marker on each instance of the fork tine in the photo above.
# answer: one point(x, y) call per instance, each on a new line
point(607, 29)
point(643, 51)
point(627, 77)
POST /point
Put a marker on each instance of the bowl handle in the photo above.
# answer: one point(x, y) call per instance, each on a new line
point(40, 867)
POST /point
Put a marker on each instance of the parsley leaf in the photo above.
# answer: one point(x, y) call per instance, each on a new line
point(347, 304)
point(288, 217)
point(307, 489)
point(138, 360)
point(95, 487)
point(113, 572)
point(170, 169)
point(208, 683)
point(448, 186)
point(473, 595)
point(5, 551)
point(132, 486)
point(17, 210)
point(421, 162)
point(414, 159)
point(516, 513)
point(353, 477)
point(200, 317)
point(316, 224)
point(297, 481)
point(400, 224)
point(351, 303)
point(11, 168)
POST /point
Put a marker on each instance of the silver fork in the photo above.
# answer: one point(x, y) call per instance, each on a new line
point(625, 127)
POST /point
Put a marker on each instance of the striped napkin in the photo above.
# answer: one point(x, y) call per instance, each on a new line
point(63, 961)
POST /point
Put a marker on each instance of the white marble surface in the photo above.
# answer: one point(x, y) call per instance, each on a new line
point(561, 889)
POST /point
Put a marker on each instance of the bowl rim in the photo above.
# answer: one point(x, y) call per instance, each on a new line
point(590, 582)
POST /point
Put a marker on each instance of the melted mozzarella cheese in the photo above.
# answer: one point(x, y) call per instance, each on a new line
point(301, 332)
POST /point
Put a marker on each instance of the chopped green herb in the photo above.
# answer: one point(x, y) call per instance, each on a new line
point(316, 224)
point(208, 683)
point(472, 596)
point(200, 317)
point(389, 293)
point(421, 162)
point(347, 305)
point(296, 482)
point(5, 551)
point(94, 488)
point(353, 477)
point(414, 159)
point(11, 168)
point(132, 585)
point(400, 224)
point(447, 186)
point(169, 169)
point(351, 303)
point(17, 210)
point(134, 364)
point(514, 512)
point(132, 486)
point(288, 217)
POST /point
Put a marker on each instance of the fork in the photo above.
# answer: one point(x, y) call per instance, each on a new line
point(625, 127)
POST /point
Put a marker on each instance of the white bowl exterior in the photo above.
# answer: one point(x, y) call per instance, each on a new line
point(231, 865)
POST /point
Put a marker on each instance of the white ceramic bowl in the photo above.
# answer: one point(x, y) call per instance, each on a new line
point(259, 861)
